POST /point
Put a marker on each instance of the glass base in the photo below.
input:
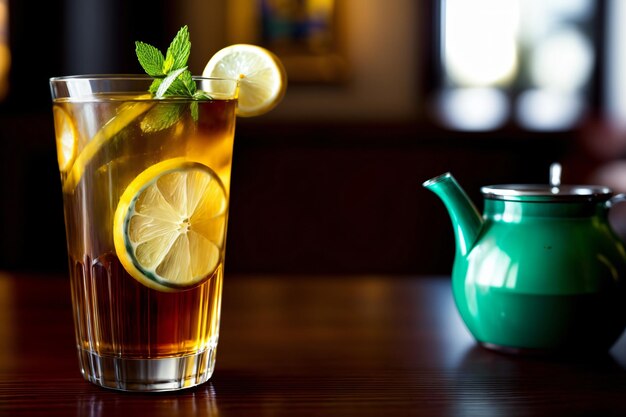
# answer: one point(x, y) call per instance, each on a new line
point(147, 375)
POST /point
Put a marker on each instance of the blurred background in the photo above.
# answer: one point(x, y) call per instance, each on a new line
point(382, 96)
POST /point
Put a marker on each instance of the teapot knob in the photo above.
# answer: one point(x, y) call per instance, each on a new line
point(555, 176)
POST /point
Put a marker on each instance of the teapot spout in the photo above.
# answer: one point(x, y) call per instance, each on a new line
point(466, 220)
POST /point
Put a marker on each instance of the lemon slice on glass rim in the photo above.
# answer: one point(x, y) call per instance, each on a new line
point(262, 77)
point(66, 138)
point(170, 225)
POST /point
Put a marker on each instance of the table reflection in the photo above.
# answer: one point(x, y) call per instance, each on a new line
point(199, 401)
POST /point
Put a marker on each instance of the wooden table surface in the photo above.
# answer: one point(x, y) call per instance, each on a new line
point(308, 346)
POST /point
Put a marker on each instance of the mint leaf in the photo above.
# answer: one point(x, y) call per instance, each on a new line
point(183, 85)
point(155, 85)
point(167, 81)
point(168, 63)
point(193, 108)
point(180, 88)
point(188, 82)
point(178, 52)
point(150, 58)
point(177, 89)
point(202, 95)
point(161, 116)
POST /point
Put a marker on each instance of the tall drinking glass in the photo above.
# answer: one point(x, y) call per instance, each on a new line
point(145, 191)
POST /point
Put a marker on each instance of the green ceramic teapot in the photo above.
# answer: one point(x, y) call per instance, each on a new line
point(541, 270)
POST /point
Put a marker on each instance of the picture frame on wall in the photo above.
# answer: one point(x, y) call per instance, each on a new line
point(309, 36)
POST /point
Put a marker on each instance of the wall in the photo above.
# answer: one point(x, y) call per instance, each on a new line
point(382, 50)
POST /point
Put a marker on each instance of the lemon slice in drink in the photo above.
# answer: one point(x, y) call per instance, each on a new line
point(170, 225)
point(127, 113)
point(66, 138)
point(261, 74)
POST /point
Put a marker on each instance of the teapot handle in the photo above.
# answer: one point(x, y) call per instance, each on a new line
point(617, 198)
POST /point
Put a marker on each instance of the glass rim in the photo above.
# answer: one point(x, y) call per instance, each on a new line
point(128, 77)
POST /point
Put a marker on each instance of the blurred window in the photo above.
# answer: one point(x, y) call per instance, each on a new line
point(615, 70)
point(527, 63)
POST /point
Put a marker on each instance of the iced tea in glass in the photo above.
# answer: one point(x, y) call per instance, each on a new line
point(145, 184)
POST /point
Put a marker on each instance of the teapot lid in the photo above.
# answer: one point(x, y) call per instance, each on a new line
point(553, 192)
point(538, 192)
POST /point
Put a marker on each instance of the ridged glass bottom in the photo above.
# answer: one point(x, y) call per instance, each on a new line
point(147, 375)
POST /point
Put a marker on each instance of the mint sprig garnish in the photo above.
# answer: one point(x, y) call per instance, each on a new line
point(172, 78)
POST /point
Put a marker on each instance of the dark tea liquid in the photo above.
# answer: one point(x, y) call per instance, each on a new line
point(117, 315)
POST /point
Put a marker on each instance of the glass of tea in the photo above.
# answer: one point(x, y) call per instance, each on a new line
point(146, 194)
